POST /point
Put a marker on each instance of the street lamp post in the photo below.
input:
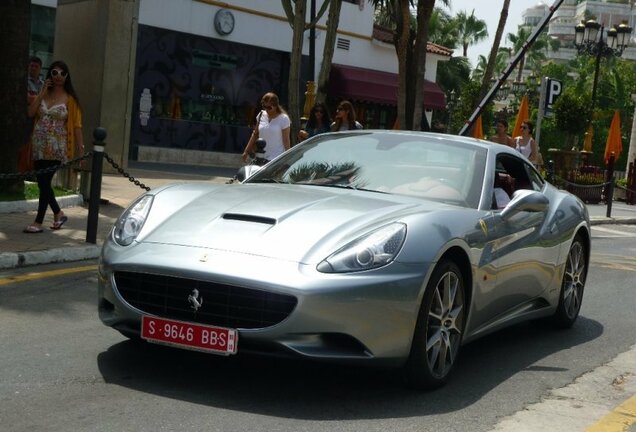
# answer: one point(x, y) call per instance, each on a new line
point(450, 105)
point(588, 38)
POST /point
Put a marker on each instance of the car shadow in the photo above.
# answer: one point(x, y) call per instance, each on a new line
point(317, 391)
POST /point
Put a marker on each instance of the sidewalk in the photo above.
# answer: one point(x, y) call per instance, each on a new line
point(69, 244)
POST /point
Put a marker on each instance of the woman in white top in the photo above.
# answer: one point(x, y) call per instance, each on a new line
point(345, 118)
point(272, 125)
point(525, 144)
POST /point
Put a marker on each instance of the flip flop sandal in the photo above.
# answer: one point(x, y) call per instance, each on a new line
point(31, 229)
point(58, 224)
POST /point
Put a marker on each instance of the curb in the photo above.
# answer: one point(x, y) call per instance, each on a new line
point(612, 220)
point(32, 205)
point(10, 260)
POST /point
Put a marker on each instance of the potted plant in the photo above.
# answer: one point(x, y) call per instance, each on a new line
point(587, 183)
point(620, 193)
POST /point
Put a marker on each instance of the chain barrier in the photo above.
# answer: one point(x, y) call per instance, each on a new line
point(578, 185)
point(625, 189)
point(30, 174)
point(124, 173)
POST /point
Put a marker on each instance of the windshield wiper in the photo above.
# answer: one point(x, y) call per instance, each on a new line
point(268, 180)
point(344, 186)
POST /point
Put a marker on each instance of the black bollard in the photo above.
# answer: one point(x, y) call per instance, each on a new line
point(550, 171)
point(609, 180)
point(99, 134)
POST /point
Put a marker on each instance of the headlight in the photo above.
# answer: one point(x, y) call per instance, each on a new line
point(130, 223)
point(371, 251)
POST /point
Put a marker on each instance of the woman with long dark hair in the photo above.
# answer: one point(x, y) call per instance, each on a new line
point(57, 137)
point(345, 118)
point(319, 121)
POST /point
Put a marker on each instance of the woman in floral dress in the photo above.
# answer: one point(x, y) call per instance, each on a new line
point(57, 138)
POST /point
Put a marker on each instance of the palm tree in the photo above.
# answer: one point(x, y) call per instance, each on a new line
point(410, 46)
point(453, 74)
point(535, 51)
point(471, 30)
point(495, 53)
point(443, 29)
point(333, 19)
point(296, 14)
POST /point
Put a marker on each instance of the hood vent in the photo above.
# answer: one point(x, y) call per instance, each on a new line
point(249, 218)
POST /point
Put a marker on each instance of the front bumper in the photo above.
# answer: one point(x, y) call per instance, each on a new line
point(366, 316)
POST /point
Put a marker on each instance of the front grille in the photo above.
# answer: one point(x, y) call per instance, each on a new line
point(223, 305)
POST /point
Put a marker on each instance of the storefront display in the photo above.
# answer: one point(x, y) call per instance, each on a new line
point(199, 93)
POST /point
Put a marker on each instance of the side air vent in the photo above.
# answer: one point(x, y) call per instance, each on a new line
point(249, 218)
point(343, 44)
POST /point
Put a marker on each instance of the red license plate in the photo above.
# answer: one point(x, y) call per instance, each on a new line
point(192, 336)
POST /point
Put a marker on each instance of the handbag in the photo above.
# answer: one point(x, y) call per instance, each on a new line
point(25, 160)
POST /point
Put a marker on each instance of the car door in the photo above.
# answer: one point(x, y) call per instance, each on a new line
point(523, 255)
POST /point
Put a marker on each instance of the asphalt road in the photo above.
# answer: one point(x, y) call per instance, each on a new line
point(62, 370)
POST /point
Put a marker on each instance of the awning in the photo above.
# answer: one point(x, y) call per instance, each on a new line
point(375, 86)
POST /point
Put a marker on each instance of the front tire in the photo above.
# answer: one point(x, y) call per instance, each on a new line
point(573, 285)
point(439, 329)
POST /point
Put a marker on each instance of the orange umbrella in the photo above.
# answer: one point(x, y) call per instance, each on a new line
point(614, 141)
point(522, 115)
point(478, 130)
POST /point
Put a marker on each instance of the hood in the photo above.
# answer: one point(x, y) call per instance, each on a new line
point(287, 222)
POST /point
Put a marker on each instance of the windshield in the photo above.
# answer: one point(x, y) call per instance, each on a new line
point(419, 165)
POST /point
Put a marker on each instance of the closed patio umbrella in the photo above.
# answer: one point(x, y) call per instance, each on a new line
point(614, 141)
point(478, 130)
point(522, 115)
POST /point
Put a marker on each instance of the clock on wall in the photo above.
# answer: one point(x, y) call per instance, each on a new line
point(224, 21)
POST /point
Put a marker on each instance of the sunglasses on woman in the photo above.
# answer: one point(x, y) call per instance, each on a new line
point(56, 72)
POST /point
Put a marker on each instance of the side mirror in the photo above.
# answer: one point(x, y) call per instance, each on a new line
point(525, 200)
point(246, 171)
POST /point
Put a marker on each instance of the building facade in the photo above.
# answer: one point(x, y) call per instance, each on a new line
point(199, 68)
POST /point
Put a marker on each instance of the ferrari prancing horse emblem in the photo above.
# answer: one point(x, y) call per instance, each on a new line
point(195, 300)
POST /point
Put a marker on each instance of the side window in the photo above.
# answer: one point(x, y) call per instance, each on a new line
point(535, 180)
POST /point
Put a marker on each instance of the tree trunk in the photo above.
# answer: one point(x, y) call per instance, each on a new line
point(424, 12)
point(522, 63)
point(15, 31)
point(298, 27)
point(333, 20)
point(492, 59)
point(401, 48)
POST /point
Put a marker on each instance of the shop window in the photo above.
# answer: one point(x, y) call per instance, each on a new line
point(42, 33)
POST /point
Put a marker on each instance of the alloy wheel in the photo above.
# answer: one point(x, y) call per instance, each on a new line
point(445, 324)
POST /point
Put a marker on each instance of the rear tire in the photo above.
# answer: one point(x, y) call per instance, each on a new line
point(439, 329)
point(573, 285)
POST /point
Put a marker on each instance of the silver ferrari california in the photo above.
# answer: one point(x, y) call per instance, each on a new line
point(376, 247)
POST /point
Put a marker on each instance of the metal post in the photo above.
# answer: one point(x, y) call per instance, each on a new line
point(99, 134)
point(550, 171)
point(609, 179)
point(312, 42)
point(540, 112)
point(597, 67)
